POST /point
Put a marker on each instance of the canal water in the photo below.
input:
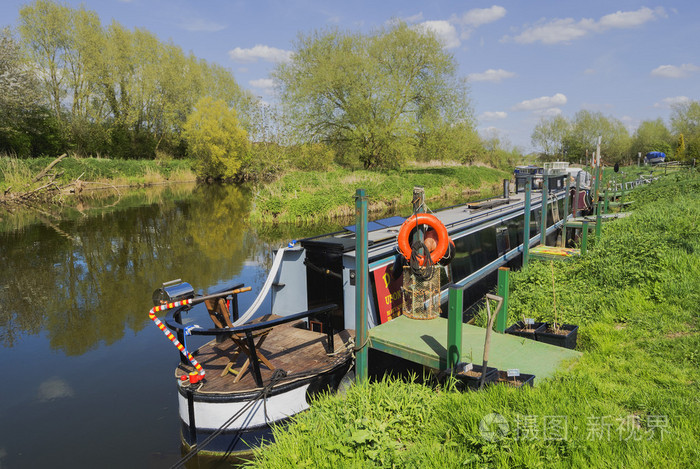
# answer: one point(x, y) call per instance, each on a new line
point(87, 378)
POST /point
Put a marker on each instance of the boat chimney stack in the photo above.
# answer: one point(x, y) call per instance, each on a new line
point(506, 189)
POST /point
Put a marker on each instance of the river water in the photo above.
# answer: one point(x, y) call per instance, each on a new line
point(87, 378)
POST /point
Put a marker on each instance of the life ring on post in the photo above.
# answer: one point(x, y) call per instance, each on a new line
point(424, 219)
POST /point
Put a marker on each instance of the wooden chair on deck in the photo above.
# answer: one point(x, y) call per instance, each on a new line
point(218, 311)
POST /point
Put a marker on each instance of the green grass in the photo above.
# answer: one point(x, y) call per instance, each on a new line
point(632, 400)
point(18, 173)
point(305, 196)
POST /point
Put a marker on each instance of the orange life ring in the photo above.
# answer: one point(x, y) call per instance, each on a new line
point(432, 222)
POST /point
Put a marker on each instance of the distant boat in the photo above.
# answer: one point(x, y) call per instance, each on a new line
point(654, 157)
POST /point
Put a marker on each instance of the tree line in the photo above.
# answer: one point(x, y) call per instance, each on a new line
point(560, 139)
point(376, 100)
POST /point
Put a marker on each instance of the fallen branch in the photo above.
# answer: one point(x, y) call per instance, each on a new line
point(43, 172)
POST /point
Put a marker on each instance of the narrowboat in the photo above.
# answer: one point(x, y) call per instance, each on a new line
point(260, 368)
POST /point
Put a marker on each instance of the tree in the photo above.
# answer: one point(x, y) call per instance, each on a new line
point(652, 136)
point(550, 136)
point(20, 98)
point(215, 137)
point(587, 127)
point(370, 96)
point(685, 120)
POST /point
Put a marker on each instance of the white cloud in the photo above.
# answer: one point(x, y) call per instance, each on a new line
point(544, 102)
point(672, 101)
point(265, 84)
point(445, 31)
point(200, 25)
point(568, 29)
point(630, 19)
point(479, 16)
point(493, 115)
point(672, 71)
point(491, 75)
point(260, 52)
point(413, 19)
point(551, 112)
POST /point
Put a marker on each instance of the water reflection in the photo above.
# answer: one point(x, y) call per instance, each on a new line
point(88, 279)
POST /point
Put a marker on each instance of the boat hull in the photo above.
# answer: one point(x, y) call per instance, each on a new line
point(204, 414)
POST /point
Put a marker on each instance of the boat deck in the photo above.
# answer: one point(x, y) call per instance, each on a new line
point(424, 342)
point(292, 349)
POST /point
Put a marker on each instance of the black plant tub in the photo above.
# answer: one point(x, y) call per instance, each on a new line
point(566, 337)
point(519, 381)
point(470, 378)
point(529, 332)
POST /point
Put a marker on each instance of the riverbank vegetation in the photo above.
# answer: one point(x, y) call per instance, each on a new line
point(20, 176)
point(629, 401)
point(300, 196)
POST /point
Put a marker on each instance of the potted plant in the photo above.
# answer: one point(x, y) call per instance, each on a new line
point(562, 335)
point(468, 375)
point(526, 328)
point(514, 378)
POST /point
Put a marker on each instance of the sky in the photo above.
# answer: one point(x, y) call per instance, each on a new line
point(524, 60)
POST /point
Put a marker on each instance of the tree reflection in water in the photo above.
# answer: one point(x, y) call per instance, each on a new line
point(87, 278)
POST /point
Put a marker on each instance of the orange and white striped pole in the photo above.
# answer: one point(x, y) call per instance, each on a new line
point(171, 336)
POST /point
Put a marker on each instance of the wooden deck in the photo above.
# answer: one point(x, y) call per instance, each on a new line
point(424, 342)
point(286, 347)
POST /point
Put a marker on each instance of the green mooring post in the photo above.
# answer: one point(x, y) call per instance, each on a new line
point(454, 326)
point(503, 288)
point(361, 285)
point(605, 196)
point(584, 237)
point(576, 192)
point(598, 222)
point(545, 200)
point(526, 222)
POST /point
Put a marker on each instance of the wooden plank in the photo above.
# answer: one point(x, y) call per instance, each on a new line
point(553, 252)
point(424, 342)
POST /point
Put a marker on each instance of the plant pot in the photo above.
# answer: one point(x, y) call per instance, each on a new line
point(520, 330)
point(566, 337)
point(470, 379)
point(516, 381)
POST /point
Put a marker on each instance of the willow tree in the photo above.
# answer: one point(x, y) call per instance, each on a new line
point(374, 97)
point(216, 139)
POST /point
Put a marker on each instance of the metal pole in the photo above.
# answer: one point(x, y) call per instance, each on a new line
point(598, 222)
point(361, 285)
point(454, 326)
point(578, 189)
point(584, 238)
point(526, 221)
point(545, 200)
point(502, 291)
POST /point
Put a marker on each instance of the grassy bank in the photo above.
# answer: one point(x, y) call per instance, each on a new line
point(305, 196)
point(18, 173)
point(632, 400)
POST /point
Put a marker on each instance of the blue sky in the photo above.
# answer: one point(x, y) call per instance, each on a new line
point(524, 59)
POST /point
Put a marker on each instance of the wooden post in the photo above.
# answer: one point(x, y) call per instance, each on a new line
point(526, 221)
point(361, 274)
point(502, 291)
point(454, 326)
point(545, 200)
point(584, 238)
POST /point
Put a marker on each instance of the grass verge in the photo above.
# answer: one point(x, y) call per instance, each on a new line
point(630, 401)
point(312, 196)
point(18, 173)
